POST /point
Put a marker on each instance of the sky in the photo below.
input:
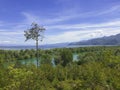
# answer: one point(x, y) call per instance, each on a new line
point(64, 20)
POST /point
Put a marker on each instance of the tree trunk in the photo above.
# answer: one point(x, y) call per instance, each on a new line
point(37, 53)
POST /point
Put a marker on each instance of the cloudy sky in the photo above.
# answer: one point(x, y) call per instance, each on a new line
point(64, 20)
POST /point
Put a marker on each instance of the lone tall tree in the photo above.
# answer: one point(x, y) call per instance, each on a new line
point(34, 33)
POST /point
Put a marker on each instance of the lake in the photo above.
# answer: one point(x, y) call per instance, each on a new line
point(45, 46)
point(34, 61)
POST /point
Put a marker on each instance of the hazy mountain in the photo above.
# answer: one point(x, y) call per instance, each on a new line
point(110, 40)
point(47, 46)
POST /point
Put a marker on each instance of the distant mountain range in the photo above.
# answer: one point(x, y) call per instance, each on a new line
point(47, 46)
point(110, 40)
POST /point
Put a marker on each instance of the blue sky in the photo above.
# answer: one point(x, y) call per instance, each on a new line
point(64, 20)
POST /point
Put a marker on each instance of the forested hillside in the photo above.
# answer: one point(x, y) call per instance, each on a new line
point(96, 68)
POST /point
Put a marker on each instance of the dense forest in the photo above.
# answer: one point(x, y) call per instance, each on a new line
point(96, 68)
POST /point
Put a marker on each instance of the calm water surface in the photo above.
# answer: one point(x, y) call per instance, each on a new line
point(34, 61)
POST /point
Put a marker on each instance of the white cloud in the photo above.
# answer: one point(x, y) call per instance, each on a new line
point(73, 36)
point(67, 15)
point(11, 33)
point(111, 24)
point(113, 9)
point(58, 17)
point(78, 32)
point(69, 32)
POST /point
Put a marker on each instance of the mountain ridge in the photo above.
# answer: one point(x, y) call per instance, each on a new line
point(106, 40)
